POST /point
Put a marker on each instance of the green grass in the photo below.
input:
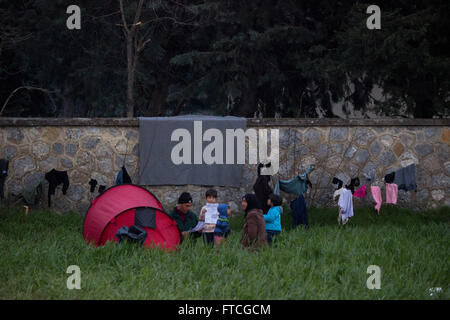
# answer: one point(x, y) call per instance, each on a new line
point(324, 262)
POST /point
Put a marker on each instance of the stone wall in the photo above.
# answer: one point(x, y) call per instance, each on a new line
point(96, 148)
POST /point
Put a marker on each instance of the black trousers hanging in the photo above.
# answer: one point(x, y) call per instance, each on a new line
point(55, 178)
point(299, 212)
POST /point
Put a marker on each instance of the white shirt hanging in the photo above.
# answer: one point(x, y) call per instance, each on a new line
point(346, 205)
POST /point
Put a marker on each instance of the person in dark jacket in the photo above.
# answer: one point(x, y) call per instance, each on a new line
point(254, 230)
point(184, 217)
point(262, 189)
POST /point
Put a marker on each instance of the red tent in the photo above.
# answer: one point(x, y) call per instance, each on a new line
point(122, 205)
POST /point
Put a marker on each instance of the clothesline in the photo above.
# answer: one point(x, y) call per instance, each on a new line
point(403, 178)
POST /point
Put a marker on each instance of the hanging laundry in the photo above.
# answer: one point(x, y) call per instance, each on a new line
point(345, 204)
point(297, 185)
point(376, 194)
point(337, 193)
point(353, 183)
point(4, 163)
point(389, 178)
point(261, 165)
point(338, 182)
point(299, 212)
point(391, 193)
point(123, 177)
point(101, 189)
point(262, 189)
point(126, 176)
point(361, 192)
point(405, 178)
point(55, 178)
point(92, 183)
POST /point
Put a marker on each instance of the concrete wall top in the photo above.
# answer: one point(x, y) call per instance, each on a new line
point(251, 122)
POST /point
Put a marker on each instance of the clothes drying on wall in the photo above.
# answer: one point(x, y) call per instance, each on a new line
point(353, 183)
point(4, 163)
point(297, 185)
point(337, 182)
point(389, 178)
point(299, 212)
point(360, 192)
point(345, 204)
point(55, 178)
point(123, 177)
point(101, 189)
point(376, 194)
point(405, 178)
point(391, 193)
point(93, 184)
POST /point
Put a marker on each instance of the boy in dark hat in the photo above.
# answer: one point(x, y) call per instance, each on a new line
point(185, 218)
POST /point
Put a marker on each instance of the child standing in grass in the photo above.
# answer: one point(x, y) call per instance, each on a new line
point(208, 228)
point(222, 229)
point(273, 217)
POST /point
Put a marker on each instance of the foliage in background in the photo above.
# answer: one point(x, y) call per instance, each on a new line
point(293, 59)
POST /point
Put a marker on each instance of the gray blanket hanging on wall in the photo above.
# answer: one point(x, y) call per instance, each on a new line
point(156, 166)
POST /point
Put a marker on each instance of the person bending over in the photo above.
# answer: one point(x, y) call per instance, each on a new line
point(185, 218)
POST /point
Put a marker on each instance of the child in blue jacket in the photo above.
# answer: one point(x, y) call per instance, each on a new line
point(222, 229)
point(273, 216)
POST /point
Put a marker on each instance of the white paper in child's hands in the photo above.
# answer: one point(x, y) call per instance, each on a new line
point(211, 214)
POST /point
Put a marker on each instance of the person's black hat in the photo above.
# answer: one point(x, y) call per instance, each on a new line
point(185, 197)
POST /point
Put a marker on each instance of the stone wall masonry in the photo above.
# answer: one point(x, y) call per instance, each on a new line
point(97, 148)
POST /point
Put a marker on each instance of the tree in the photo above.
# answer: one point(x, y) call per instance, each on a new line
point(158, 14)
point(259, 51)
point(408, 58)
point(155, 57)
point(78, 67)
point(134, 46)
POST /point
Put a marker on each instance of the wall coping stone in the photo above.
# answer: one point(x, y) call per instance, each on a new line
point(251, 122)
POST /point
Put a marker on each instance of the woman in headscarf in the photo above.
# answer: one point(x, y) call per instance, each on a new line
point(253, 233)
point(262, 188)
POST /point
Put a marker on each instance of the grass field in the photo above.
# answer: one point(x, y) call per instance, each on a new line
point(324, 262)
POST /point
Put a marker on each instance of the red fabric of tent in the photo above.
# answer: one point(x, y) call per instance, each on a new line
point(116, 208)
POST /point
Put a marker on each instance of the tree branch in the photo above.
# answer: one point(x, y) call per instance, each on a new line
point(28, 88)
point(122, 13)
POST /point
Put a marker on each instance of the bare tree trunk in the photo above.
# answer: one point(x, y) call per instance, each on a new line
point(136, 40)
point(133, 49)
point(130, 74)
